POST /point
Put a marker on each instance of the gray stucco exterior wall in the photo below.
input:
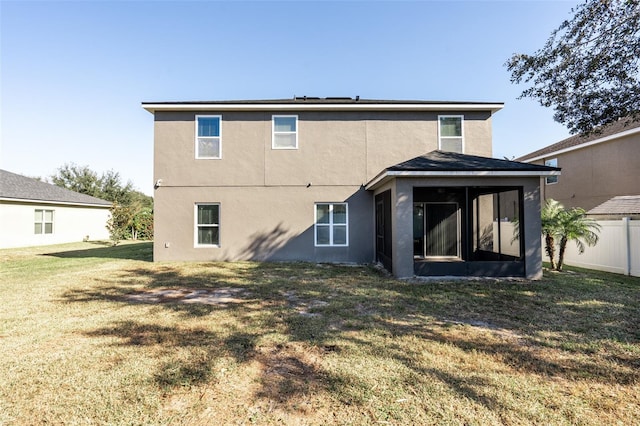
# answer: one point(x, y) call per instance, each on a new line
point(532, 229)
point(267, 196)
point(262, 223)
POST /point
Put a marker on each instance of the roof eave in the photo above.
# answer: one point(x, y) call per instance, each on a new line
point(390, 174)
point(51, 202)
point(153, 107)
point(580, 146)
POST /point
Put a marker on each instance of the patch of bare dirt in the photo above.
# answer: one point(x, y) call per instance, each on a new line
point(218, 296)
point(291, 373)
point(304, 306)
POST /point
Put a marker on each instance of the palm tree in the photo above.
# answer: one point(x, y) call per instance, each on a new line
point(551, 225)
point(575, 225)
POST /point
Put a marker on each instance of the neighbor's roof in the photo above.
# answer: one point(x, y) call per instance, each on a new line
point(14, 187)
point(309, 103)
point(620, 128)
point(451, 164)
point(621, 205)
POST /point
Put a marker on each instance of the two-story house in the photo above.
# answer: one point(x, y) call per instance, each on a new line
point(407, 183)
point(596, 167)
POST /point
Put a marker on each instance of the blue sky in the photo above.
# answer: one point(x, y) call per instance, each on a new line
point(73, 74)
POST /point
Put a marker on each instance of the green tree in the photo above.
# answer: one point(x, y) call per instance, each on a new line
point(79, 179)
point(576, 226)
point(112, 188)
point(132, 211)
point(142, 224)
point(142, 200)
point(563, 226)
point(108, 186)
point(589, 69)
point(119, 222)
point(551, 213)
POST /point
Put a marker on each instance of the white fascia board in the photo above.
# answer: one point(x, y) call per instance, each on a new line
point(48, 202)
point(584, 145)
point(456, 174)
point(152, 108)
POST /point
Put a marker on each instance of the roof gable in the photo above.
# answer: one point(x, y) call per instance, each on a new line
point(18, 187)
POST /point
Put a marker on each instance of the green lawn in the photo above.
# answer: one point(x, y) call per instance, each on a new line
point(93, 334)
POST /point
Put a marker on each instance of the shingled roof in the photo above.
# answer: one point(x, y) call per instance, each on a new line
point(622, 125)
point(451, 164)
point(618, 206)
point(18, 187)
point(453, 161)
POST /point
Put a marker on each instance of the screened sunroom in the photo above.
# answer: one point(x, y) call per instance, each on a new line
point(448, 214)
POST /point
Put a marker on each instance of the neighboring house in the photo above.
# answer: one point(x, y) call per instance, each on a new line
point(595, 167)
point(37, 213)
point(407, 183)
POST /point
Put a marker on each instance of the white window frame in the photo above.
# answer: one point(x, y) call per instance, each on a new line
point(551, 180)
point(440, 137)
point(196, 226)
point(219, 137)
point(44, 222)
point(273, 131)
point(330, 225)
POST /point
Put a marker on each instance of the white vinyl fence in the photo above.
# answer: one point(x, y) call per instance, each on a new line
point(618, 249)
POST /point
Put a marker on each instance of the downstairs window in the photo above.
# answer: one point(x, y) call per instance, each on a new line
point(331, 225)
point(207, 228)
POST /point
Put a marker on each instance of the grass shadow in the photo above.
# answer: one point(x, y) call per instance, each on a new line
point(320, 310)
point(141, 251)
point(199, 346)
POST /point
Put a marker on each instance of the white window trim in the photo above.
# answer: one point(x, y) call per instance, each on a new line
point(273, 131)
point(546, 179)
point(461, 117)
point(329, 225)
point(219, 157)
point(44, 222)
point(196, 225)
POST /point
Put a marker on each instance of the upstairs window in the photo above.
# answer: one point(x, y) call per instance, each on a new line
point(331, 227)
point(43, 222)
point(207, 225)
point(285, 132)
point(549, 180)
point(450, 133)
point(208, 136)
